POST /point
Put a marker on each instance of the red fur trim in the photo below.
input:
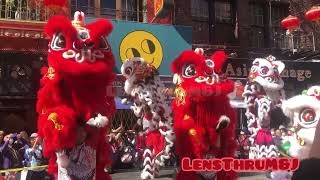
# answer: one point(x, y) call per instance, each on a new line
point(55, 139)
point(219, 58)
point(60, 24)
point(52, 167)
point(103, 150)
point(44, 71)
point(185, 58)
point(102, 27)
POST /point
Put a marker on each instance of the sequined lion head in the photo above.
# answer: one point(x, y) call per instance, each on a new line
point(304, 112)
point(137, 70)
point(79, 49)
point(266, 72)
point(200, 76)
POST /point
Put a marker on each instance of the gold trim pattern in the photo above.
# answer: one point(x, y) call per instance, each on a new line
point(180, 95)
point(54, 118)
point(50, 73)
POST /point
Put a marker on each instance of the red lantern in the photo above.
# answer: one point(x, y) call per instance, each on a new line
point(313, 14)
point(291, 23)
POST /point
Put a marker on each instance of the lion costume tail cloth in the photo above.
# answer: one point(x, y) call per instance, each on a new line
point(145, 90)
point(204, 121)
point(75, 101)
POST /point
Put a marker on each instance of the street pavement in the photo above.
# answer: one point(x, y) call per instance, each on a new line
point(167, 174)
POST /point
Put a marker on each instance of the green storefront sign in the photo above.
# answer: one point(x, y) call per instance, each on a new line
point(157, 44)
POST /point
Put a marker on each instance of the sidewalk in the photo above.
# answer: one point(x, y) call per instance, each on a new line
point(167, 174)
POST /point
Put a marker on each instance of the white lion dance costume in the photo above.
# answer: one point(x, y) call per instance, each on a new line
point(145, 90)
point(263, 92)
point(304, 111)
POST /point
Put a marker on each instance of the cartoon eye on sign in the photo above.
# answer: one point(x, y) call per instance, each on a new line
point(141, 44)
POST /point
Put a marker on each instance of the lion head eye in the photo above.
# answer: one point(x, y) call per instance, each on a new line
point(210, 63)
point(83, 35)
point(58, 42)
point(103, 44)
point(189, 70)
point(264, 70)
point(128, 71)
point(307, 115)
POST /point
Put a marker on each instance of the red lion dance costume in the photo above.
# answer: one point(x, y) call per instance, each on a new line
point(75, 95)
point(204, 122)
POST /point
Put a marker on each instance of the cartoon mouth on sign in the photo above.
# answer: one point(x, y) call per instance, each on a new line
point(141, 44)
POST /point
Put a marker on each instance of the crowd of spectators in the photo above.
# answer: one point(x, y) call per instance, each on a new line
point(19, 150)
point(280, 136)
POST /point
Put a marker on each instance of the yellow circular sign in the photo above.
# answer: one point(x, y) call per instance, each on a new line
point(141, 44)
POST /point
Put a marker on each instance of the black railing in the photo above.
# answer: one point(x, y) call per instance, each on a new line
point(16, 10)
point(127, 15)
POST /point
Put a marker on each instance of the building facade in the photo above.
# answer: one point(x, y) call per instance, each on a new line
point(235, 25)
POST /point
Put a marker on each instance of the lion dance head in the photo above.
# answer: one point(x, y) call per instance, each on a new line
point(78, 49)
point(304, 111)
point(266, 72)
point(199, 77)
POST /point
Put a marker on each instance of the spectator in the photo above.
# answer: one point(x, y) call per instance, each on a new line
point(272, 132)
point(278, 138)
point(282, 129)
point(33, 157)
point(290, 132)
point(244, 145)
point(16, 161)
point(2, 148)
point(21, 144)
point(288, 136)
point(6, 157)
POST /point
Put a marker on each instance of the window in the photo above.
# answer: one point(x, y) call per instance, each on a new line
point(108, 8)
point(129, 10)
point(86, 6)
point(278, 13)
point(257, 37)
point(200, 8)
point(223, 12)
point(256, 15)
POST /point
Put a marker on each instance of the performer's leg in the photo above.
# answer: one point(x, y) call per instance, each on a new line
point(156, 170)
point(228, 147)
point(103, 157)
point(147, 171)
point(187, 145)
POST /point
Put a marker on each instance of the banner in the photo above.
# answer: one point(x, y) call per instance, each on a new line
point(297, 75)
point(157, 44)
